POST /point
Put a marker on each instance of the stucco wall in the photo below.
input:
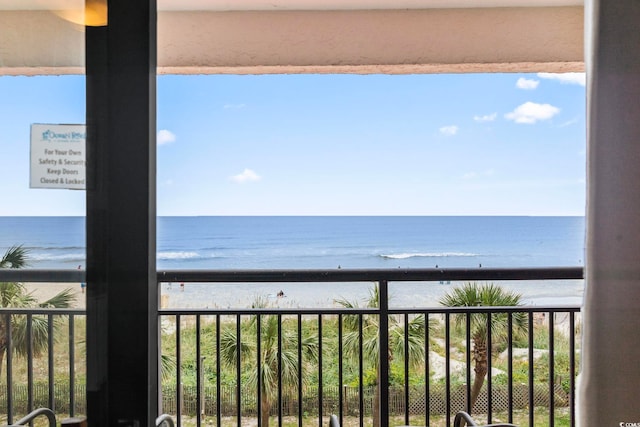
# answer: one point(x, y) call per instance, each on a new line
point(380, 41)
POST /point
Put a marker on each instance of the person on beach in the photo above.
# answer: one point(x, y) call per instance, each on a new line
point(82, 284)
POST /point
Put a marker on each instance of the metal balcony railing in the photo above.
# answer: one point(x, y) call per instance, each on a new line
point(299, 366)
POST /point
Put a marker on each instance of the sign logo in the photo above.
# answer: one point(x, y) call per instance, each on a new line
point(58, 156)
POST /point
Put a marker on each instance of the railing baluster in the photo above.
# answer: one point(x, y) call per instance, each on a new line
point(427, 393)
point(218, 375)
point(179, 390)
point(551, 370)
point(360, 371)
point(447, 350)
point(7, 320)
point(29, 362)
point(572, 368)
point(320, 391)
point(510, 365)
point(300, 409)
point(383, 408)
point(50, 367)
point(259, 367)
point(238, 371)
point(72, 367)
point(406, 368)
point(489, 368)
point(531, 372)
point(279, 319)
point(340, 373)
point(468, 360)
point(198, 374)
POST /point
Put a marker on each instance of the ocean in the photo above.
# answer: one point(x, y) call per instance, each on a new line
point(290, 242)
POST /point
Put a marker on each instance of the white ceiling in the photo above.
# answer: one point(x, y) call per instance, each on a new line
point(242, 5)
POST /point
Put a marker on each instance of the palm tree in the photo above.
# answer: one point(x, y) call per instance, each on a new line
point(15, 295)
point(245, 351)
point(370, 340)
point(472, 294)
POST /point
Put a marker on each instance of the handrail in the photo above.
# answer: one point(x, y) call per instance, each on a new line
point(315, 275)
point(164, 419)
point(36, 413)
point(463, 417)
point(371, 274)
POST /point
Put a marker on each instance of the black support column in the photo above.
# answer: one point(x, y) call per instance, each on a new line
point(122, 294)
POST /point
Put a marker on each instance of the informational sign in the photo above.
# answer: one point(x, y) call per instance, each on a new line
point(58, 156)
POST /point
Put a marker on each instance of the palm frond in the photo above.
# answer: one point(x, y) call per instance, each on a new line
point(39, 334)
point(167, 366)
point(63, 299)
point(14, 257)
point(473, 294)
point(13, 294)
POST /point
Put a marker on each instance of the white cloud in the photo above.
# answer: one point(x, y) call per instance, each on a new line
point(566, 78)
point(485, 118)
point(247, 175)
point(531, 112)
point(449, 130)
point(165, 137)
point(527, 84)
point(568, 123)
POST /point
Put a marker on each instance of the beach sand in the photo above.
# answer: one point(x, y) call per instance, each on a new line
point(44, 291)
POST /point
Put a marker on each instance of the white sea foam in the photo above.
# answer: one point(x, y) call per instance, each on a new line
point(428, 255)
point(49, 257)
point(179, 255)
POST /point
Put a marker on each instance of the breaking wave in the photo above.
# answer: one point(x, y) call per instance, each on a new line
point(179, 255)
point(428, 255)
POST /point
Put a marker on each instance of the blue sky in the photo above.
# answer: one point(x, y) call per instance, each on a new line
point(465, 144)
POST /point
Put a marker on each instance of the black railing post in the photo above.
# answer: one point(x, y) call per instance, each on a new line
point(406, 368)
point(279, 320)
point(383, 409)
point(531, 371)
point(510, 366)
point(9, 346)
point(360, 371)
point(30, 353)
point(320, 389)
point(238, 371)
point(199, 390)
point(552, 375)
point(259, 368)
point(72, 369)
point(50, 366)
point(300, 409)
point(341, 396)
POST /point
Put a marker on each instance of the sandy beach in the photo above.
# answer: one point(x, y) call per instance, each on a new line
point(44, 291)
point(305, 295)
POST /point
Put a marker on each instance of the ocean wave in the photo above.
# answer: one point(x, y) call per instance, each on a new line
point(55, 248)
point(63, 257)
point(179, 255)
point(428, 255)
